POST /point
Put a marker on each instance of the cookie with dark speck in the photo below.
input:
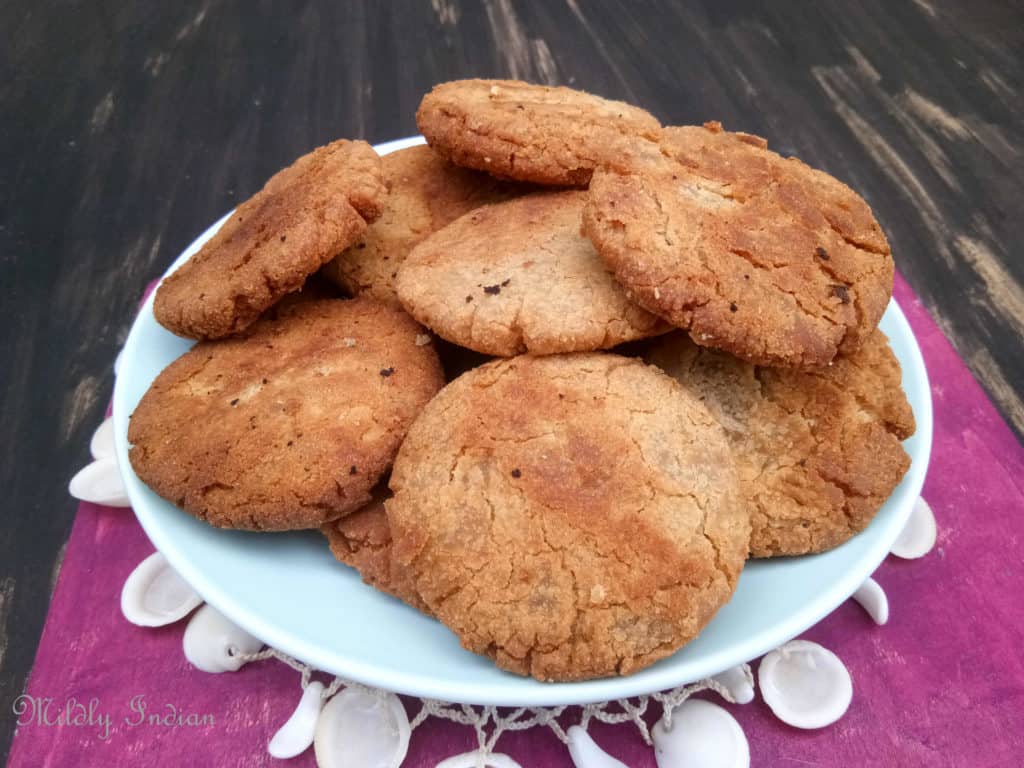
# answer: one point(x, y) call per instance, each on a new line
point(535, 283)
point(818, 451)
point(304, 216)
point(535, 133)
point(570, 516)
point(752, 253)
point(289, 425)
point(425, 193)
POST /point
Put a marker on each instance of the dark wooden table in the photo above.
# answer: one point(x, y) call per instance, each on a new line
point(127, 127)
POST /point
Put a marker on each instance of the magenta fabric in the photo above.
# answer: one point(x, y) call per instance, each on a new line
point(941, 685)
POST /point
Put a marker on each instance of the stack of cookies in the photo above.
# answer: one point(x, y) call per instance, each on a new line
point(587, 367)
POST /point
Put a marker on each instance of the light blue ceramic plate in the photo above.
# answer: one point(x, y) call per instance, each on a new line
point(289, 591)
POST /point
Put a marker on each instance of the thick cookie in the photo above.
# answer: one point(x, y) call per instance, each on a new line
point(519, 277)
point(425, 193)
point(818, 452)
point(301, 218)
point(362, 540)
point(571, 516)
point(750, 252)
point(536, 133)
point(289, 425)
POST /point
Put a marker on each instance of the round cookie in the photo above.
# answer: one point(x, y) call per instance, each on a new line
point(547, 135)
point(425, 192)
point(818, 452)
point(749, 252)
point(362, 540)
point(571, 516)
point(519, 277)
point(301, 218)
point(289, 425)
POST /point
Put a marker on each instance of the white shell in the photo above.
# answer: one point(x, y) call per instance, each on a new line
point(806, 685)
point(101, 446)
point(469, 760)
point(154, 595)
point(294, 737)
point(703, 735)
point(738, 682)
point(213, 644)
point(918, 536)
point(586, 754)
point(872, 599)
point(360, 728)
point(100, 483)
point(117, 362)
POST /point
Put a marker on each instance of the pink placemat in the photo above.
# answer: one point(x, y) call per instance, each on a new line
point(942, 684)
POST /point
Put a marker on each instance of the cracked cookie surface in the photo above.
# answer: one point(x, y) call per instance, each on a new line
point(303, 216)
point(518, 277)
point(362, 540)
point(749, 252)
point(289, 425)
point(570, 516)
point(537, 133)
point(818, 452)
point(425, 193)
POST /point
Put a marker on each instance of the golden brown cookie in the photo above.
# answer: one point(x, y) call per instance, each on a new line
point(362, 540)
point(301, 218)
point(289, 425)
point(571, 516)
point(316, 288)
point(519, 277)
point(750, 252)
point(818, 452)
point(425, 193)
point(537, 133)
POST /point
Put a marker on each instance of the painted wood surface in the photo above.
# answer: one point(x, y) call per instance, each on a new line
point(129, 126)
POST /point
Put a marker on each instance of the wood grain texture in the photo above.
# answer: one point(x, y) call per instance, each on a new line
point(129, 126)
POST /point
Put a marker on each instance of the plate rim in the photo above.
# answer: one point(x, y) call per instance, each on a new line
point(541, 694)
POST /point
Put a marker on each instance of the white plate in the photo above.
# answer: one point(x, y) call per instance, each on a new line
point(289, 591)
